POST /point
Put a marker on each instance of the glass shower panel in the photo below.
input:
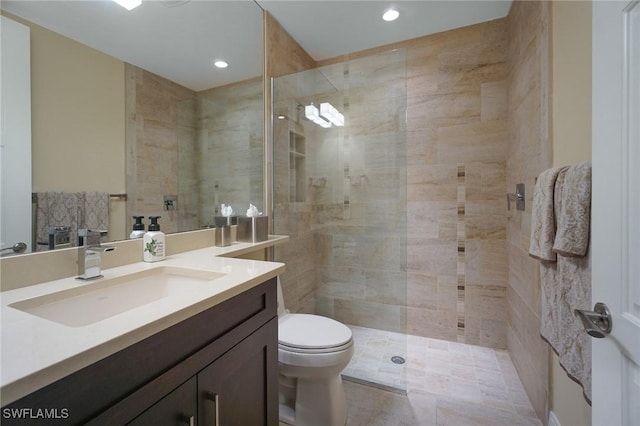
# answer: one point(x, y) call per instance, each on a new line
point(347, 254)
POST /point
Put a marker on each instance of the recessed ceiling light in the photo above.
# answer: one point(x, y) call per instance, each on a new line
point(129, 4)
point(221, 64)
point(391, 15)
point(281, 117)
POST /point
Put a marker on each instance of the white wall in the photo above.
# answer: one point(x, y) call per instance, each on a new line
point(571, 136)
point(15, 140)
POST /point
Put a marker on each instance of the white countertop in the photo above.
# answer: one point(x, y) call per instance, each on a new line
point(37, 352)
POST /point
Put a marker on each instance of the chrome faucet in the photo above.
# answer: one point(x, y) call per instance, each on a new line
point(89, 254)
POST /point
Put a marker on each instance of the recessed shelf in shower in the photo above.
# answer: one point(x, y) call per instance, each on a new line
point(297, 167)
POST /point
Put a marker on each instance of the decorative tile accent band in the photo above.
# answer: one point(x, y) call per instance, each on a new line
point(461, 236)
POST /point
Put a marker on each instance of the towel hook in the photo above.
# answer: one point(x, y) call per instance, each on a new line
point(518, 197)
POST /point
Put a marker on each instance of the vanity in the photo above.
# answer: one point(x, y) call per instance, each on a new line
point(205, 354)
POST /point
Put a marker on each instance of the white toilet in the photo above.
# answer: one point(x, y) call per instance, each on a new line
point(312, 352)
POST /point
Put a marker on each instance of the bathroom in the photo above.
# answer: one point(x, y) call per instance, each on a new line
point(530, 94)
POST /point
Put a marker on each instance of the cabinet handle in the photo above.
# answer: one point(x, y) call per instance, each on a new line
point(215, 398)
point(188, 419)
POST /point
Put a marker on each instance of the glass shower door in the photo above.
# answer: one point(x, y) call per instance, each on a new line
point(340, 194)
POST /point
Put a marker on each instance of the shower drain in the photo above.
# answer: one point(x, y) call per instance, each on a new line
point(397, 360)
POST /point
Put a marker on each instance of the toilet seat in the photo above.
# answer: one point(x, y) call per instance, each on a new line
point(315, 350)
point(312, 334)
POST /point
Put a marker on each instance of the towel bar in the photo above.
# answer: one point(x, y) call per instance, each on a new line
point(119, 197)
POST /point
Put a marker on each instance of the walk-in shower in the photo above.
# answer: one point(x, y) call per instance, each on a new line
point(339, 192)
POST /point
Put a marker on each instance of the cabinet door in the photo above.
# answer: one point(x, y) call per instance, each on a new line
point(179, 408)
point(241, 387)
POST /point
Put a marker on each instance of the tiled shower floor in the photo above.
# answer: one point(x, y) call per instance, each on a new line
point(371, 362)
point(446, 383)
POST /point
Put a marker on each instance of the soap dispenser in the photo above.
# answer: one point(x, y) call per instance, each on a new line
point(153, 242)
point(138, 228)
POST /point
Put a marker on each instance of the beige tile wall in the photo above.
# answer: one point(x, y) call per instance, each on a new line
point(454, 251)
point(529, 154)
point(230, 148)
point(152, 116)
point(283, 55)
point(456, 142)
point(205, 147)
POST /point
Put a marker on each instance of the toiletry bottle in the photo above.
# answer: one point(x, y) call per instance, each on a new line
point(153, 242)
point(138, 228)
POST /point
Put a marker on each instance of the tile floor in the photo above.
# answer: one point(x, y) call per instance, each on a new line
point(446, 383)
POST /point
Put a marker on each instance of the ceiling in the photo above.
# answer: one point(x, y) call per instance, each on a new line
point(326, 29)
point(179, 40)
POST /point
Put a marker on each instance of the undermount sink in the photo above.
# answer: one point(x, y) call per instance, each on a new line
point(105, 298)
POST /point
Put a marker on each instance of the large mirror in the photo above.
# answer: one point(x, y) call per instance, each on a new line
point(128, 108)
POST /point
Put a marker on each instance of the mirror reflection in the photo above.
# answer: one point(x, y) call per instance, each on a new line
point(130, 117)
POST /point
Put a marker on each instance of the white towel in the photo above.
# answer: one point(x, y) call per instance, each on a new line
point(543, 221)
point(76, 210)
point(566, 285)
point(572, 235)
point(55, 209)
point(93, 210)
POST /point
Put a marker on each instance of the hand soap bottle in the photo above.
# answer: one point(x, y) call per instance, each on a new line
point(138, 228)
point(153, 242)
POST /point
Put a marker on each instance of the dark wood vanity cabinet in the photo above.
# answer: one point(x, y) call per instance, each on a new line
point(232, 390)
point(219, 367)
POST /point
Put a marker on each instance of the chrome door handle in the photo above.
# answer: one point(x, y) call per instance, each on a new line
point(597, 323)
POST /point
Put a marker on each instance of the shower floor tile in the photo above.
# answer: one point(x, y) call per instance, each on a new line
point(441, 382)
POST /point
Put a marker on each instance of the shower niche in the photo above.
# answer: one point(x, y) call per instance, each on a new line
point(297, 168)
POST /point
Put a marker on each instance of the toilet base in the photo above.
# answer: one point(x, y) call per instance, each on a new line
point(287, 414)
point(318, 402)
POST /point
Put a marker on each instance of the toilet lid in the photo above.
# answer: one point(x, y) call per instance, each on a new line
point(312, 332)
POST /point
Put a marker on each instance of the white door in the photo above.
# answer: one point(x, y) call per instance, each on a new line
point(15, 135)
point(616, 209)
